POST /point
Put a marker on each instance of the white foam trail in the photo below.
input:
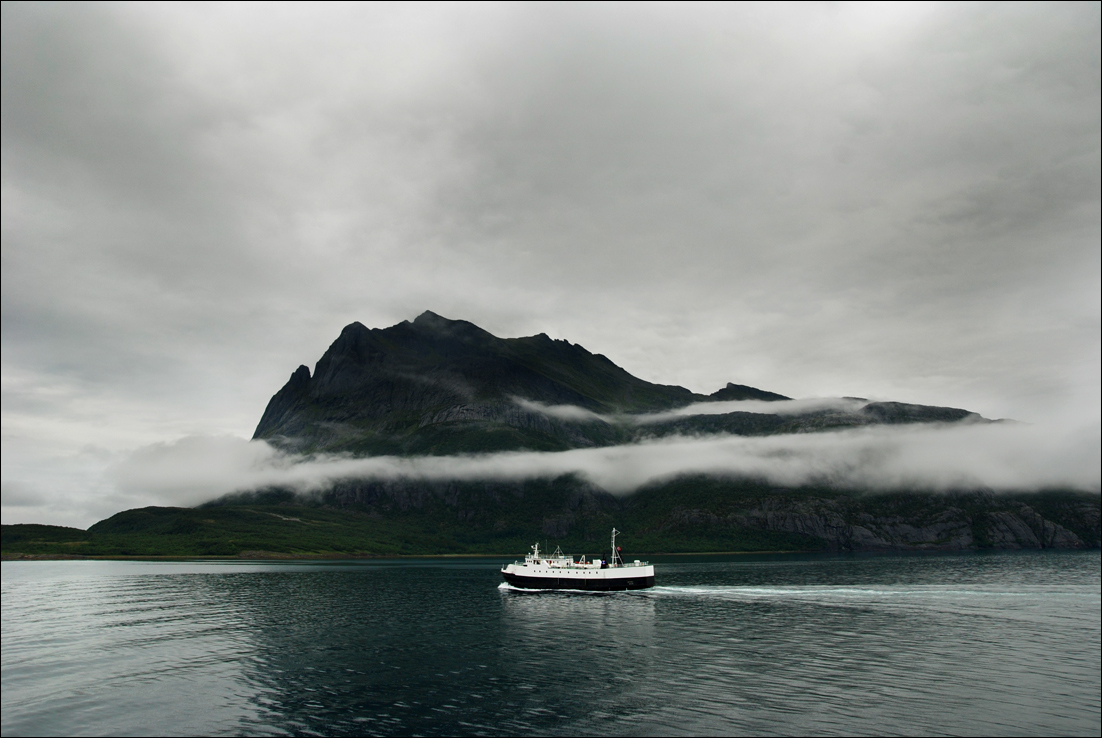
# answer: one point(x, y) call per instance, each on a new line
point(995, 600)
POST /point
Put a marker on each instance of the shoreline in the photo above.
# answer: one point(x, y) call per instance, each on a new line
point(274, 556)
point(366, 557)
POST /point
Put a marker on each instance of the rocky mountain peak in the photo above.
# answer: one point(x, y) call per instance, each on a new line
point(440, 327)
point(301, 377)
point(742, 392)
point(441, 386)
point(429, 319)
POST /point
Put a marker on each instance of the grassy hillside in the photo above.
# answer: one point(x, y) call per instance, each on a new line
point(685, 515)
point(305, 531)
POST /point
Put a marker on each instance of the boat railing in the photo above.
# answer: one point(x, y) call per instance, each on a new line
point(528, 560)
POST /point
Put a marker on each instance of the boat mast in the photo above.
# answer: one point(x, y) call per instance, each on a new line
point(612, 561)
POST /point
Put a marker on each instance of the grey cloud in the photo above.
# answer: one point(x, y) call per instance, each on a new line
point(563, 412)
point(778, 407)
point(13, 494)
point(1001, 457)
point(821, 200)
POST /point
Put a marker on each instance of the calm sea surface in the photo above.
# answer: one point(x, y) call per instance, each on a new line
point(1002, 643)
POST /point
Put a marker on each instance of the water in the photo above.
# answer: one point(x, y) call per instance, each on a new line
point(970, 644)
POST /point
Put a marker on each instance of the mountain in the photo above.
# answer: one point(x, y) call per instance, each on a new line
point(439, 386)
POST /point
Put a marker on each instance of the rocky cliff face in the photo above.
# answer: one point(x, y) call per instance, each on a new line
point(442, 386)
point(844, 526)
point(711, 514)
point(438, 386)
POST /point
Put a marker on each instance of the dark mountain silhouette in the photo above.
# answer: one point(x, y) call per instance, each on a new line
point(742, 392)
point(438, 386)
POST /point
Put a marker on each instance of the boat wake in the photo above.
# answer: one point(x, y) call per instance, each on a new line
point(847, 593)
point(996, 601)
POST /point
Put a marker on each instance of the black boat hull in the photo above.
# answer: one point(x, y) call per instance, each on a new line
point(588, 585)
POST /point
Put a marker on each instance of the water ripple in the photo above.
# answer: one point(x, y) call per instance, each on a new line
point(777, 645)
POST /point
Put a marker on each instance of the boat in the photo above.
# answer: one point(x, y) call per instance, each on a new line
point(558, 571)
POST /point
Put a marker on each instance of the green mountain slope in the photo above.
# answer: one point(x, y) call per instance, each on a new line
point(685, 515)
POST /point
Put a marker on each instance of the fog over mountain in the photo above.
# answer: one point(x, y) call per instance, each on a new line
point(434, 400)
point(194, 470)
point(893, 202)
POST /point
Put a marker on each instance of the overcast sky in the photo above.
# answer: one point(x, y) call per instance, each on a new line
point(892, 201)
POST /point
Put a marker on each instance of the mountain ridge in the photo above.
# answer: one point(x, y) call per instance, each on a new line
point(688, 515)
point(441, 386)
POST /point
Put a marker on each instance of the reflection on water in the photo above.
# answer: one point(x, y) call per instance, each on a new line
point(968, 644)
